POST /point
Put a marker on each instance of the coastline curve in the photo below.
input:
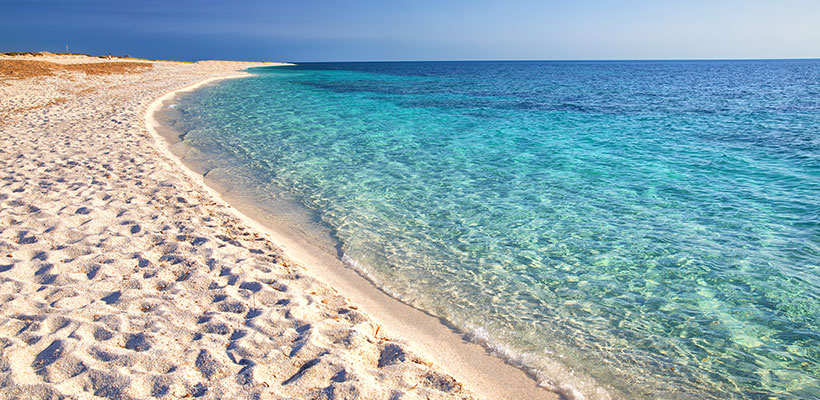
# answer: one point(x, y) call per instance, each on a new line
point(485, 374)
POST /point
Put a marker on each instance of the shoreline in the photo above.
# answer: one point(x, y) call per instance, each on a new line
point(123, 278)
point(485, 374)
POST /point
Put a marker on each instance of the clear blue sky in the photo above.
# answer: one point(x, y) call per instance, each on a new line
point(326, 30)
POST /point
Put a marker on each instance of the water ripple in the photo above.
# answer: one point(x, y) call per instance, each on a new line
point(626, 229)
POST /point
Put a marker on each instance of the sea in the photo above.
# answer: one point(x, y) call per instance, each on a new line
point(617, 229)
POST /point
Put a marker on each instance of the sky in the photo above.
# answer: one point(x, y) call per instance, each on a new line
point(383, 30)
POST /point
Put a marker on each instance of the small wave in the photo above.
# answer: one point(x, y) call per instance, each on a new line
point(364, 272)
point(357, 266)
point(550, 375)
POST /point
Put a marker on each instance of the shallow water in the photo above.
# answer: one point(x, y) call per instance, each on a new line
point(622, 229)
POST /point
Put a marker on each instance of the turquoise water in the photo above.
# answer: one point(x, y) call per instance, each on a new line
point(619, 229)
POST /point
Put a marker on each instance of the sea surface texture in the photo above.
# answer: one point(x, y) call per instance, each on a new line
point(619, 229)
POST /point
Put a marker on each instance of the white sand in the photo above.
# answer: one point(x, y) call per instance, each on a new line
point(121, 276)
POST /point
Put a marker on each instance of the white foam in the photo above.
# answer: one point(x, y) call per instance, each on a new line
point(549, 374)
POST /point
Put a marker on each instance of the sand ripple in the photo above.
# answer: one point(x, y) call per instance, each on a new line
point(121, 278)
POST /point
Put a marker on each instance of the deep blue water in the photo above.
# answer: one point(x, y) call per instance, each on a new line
point(622, 229)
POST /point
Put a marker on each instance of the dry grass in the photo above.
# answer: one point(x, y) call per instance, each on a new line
point(86, 91)
point(41, 53)
point(53, 102)
point(110, 68)
point(21, 53)
point(22, 69)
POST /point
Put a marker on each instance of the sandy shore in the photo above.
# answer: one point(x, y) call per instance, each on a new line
point(122, 276)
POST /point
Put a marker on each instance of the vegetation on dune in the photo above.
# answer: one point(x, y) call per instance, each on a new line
point(21, 53)
point(22, 69)
point(45, 53)
point(41, 53)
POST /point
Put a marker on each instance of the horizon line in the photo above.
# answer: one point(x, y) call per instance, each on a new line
point(471, 60)
point(565, 60)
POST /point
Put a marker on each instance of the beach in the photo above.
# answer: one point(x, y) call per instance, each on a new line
point(124, 276)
